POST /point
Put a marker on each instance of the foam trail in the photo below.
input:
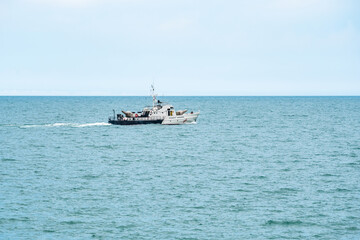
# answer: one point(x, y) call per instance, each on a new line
point(190, 123)
point(94, 124)
point(59, 124)
point(67, 125)
point(31, 126)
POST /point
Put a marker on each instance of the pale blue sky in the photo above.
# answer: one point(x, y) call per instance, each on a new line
point(189, 47)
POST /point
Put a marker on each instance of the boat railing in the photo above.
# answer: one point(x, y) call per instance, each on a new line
point(142, 118)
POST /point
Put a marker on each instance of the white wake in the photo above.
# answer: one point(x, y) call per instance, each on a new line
point(94, 124)
point(66, 125)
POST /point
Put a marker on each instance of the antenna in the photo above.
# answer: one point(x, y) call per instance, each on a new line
point(153, 94)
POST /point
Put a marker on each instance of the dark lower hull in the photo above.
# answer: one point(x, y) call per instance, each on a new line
point(135, 122)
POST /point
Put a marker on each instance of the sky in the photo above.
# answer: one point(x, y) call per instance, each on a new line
point(184, 47)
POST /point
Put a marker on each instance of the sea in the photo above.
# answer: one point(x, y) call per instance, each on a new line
point(250, 168)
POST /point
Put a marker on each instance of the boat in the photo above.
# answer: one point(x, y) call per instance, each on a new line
point(160, 113)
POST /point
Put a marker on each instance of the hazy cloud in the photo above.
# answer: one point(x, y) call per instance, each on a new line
point(65, 3)
point(176, 24)
point(240, 45)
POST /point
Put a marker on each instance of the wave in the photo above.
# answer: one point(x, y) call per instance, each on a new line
point(287, 222)
point(65, 125)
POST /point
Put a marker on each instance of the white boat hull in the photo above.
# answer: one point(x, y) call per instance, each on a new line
point(182, 119)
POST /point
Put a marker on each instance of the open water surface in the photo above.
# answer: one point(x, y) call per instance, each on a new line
point(251, 168)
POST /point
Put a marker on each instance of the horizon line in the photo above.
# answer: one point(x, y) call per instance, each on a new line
point(180, 96)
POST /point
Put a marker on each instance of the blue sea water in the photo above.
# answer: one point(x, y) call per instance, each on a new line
point(251, 168)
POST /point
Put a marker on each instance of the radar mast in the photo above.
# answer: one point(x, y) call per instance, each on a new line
point(153, 95)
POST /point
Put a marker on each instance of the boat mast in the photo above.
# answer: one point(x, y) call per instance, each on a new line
point(153, 95)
